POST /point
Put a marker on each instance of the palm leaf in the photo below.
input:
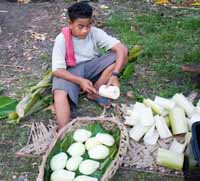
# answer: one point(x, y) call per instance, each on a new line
point(7, 105)
point(128, 71)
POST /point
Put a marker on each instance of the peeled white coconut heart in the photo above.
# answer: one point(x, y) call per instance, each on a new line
point(76, 149)
point(81, 135)
point(91, 143)
point(85, 178)
point(99, 152)
point(87, 167)
point(62, 175)
point(111, 92)
point(105, 139)
point(58, 161)
point(73, 163)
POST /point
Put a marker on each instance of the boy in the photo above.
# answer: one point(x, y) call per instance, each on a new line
point(91, 70)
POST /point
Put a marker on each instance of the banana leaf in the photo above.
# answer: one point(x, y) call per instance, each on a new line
point(31, 105)
point(40, 105)
point(35, 100)
point(128, 71)
point(7, 105)
point(134, 53)
point(44, 83)
point(63, 144)
point(26, 103)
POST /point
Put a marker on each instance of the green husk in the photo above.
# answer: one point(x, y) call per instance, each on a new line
point(178, 121)
point(134, 52)
point(41, 104)
point(164, 102)
point(26, 103)
point(30, 105)
point(183, 102)
point(156, 108)
point(44, 83)
point(170, 159)
point(177, 147)
point(12, 116)
point(138, 131)
point(35, 100)
point(7, 105)
point(128, 71)
point(162, 127)
point(167, 120)
point(62, 145)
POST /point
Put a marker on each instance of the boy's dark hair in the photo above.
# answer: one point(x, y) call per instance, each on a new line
point(80, 10)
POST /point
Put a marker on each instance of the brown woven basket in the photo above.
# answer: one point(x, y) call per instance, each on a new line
point(109, 124)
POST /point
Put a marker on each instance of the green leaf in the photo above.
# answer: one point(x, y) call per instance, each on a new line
point(128, 71)
point(7, 105)
point(95, 128)
point(44, 83)
point(36, 99)
point(134, 53)
point(62, 145)
point(42, 103)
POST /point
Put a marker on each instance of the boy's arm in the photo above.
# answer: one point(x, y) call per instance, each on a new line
point(121, 56)
point(66, 75)
point(85, 84)
point(121, 60)
point(104, 40)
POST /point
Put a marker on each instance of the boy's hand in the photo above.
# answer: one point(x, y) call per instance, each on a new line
point(87, 86)
point(113, 81)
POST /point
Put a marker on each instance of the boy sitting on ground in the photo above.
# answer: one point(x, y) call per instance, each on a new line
point(90, 69)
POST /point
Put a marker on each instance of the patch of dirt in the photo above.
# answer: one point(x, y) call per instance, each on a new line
point(21, 51)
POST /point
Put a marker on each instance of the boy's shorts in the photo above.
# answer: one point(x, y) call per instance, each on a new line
point(91, 70)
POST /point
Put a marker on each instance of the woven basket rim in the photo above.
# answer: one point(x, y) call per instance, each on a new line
point(115, 164)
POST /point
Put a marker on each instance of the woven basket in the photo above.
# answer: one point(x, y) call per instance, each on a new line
point(107, 123)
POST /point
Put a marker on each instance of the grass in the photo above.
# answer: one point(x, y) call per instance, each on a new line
point(168, 43)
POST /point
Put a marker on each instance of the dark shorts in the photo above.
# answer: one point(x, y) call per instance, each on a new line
point(90, 70)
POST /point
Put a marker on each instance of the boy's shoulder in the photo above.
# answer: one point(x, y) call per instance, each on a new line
point(60, 39)
point(96, 31)
point(60, 36)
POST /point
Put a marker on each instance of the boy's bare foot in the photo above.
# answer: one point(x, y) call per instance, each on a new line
point(101, 101)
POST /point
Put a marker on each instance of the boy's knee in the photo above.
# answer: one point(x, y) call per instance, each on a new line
point(59, 95)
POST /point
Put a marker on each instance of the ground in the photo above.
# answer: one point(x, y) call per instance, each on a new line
point(169, 37)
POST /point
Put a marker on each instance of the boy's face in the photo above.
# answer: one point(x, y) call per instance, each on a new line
point(80, 27)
